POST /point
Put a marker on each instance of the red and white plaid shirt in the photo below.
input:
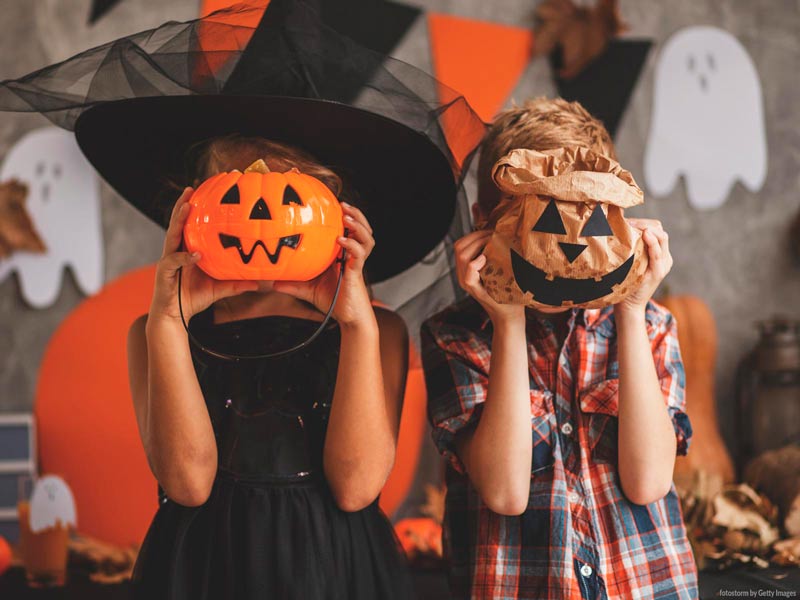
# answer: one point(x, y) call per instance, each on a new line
point(579, 537)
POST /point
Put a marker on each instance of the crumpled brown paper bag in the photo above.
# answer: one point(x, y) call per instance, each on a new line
point(560, 238)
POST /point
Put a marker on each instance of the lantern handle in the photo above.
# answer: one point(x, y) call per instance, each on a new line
point(237, 357)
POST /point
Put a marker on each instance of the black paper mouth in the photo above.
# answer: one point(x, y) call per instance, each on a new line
point(554, 293)
point(231, 241)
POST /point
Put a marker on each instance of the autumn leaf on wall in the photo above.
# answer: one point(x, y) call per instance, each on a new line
point(580, 33)
point(17, 231)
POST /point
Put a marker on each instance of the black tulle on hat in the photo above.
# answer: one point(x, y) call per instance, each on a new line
point(399, 138)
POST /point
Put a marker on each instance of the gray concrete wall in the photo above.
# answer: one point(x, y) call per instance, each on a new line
point(734, 257)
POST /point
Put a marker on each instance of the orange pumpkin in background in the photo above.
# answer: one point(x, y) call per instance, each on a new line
point(263, 225)
point(697, 336)
point(5, 555)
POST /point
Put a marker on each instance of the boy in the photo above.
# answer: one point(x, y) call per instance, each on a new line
point(560, 462)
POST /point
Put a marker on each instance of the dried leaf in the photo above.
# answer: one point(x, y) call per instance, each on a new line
point(582, 33)
point(434, 502)
point(17, 231)
point(739, 507)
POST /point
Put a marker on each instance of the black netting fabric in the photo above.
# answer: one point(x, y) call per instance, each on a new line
point(280, 49)
point(292, 53)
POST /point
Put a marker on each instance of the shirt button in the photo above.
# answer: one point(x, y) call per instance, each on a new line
point(574, 498)
point(566, 429)
point(586, 570)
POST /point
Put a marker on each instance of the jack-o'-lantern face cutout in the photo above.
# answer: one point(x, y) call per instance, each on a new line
point(561, 239)
point(264, 226)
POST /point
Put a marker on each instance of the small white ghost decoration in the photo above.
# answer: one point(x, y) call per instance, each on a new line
point(708, 118)
point(52, 502)
point(64, 204)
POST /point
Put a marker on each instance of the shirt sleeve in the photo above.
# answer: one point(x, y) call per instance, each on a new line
point(456, 387)
point(671, 376)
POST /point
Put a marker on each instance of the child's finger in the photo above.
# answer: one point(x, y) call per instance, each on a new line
point(174, 235)
point(468, 251)
point(653, 247)
point(169, 265)
point(356, 214)
point(472, 279)
point(356, 251)
point(359, 232)
point(225, 289)
point(185, 195)
point(297, 289)
point(642, 224)
point(471, 276)
point(663, 239)
point(478, 263)
point(468, 239)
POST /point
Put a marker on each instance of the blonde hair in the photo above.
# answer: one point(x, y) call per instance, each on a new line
point(539, 124)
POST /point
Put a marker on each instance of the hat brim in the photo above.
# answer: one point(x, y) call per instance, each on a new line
point(403, 183)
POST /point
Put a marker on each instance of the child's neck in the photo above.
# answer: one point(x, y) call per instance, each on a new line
point(557, 320)
point(553, 317)
point(252, 305)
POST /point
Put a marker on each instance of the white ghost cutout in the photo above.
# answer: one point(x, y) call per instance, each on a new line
point(52, 502)
point(708, 118)
point(64, 203)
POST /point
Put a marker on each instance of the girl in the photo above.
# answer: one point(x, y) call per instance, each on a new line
point(269, 469)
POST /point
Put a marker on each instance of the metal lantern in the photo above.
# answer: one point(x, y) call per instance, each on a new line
point(769, 389)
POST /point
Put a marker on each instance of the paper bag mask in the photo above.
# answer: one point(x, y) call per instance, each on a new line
point(560, 238)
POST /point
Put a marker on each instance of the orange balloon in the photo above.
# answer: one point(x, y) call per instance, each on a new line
point(413, 427)
point(85, 422)
point(264, 226)
point(5, 555)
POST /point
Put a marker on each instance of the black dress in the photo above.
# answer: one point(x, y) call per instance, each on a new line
point(270, 528)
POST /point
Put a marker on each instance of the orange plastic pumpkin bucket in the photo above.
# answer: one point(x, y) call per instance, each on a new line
point(263, 225)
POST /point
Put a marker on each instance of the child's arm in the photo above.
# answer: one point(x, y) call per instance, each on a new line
point(173, 420)
point(365, 415)
point(373, 362)
point(647, 442)
point(497, 453)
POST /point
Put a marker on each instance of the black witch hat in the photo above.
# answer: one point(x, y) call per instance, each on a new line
point(140, 103)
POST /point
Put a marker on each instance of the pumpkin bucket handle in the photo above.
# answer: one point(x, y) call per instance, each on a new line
point(237, 357)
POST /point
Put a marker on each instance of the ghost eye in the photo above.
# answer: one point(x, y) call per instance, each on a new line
point(691, 63)
point(597, 225)
point(40, 168)
point(711, 64)
point(550, 221)
point(231, 196)
point(290, 196)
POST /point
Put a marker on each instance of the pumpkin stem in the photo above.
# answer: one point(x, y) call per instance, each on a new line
point(258, 167)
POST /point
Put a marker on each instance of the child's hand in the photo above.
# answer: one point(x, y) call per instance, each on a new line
point(659, 262)
point(198, 290)
point(353, 305)
point(470, 260)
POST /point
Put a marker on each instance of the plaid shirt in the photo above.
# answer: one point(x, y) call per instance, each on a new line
point(579, 537)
